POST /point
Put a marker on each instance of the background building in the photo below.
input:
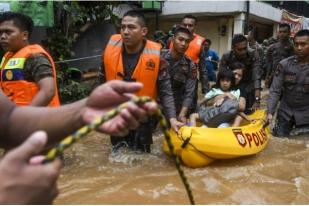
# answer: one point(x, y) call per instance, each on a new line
point(220, 20)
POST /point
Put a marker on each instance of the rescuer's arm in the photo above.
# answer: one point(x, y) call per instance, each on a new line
point(39, 70)
point(223, 64)
point(257, 74)
point(18, 123)
point(45, 93)
point(275, 92)
point(189, 92)
point(165, 94)
point(24, 180)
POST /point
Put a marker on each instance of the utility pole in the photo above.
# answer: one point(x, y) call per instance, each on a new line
point(247, 16)
point(157, 20)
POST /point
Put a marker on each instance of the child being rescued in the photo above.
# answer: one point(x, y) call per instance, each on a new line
point(223, 103)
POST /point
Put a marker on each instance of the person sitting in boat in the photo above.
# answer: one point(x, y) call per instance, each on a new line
point(221, 104)
point(238, 69)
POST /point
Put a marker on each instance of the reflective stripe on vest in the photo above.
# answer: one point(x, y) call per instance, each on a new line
point(13, 82)
point(146, 70)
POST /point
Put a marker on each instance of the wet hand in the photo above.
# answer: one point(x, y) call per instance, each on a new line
point(182, 119)
point(268, 119)
point(219, 102)
point(175, 125)
point(109, 96)
point(230, 96)
point(24, 180)
point(256, 105)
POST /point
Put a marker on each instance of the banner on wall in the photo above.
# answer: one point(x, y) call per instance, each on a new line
point(296, 22)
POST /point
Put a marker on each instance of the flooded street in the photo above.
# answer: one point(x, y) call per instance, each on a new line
point(92, 175)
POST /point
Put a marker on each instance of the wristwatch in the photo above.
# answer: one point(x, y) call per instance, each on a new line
point(257, 99)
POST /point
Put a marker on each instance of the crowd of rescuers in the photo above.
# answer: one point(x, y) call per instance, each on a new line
point(133, 65)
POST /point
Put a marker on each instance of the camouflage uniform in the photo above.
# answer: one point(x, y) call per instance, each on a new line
point(275, 53)
point(252, 75)
point(183, 76)
point(37, 67)
point(291, 81)
point(260, 50)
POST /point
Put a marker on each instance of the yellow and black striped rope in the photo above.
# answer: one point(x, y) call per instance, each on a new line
point(82, 132)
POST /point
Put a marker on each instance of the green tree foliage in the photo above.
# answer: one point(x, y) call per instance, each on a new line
point(71, 19)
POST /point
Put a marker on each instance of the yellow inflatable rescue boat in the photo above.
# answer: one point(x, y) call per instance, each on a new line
point(198, 146)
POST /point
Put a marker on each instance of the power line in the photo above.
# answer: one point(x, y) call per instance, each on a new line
point(78, 59)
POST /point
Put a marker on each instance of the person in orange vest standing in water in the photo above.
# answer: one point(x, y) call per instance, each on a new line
point(28, 74)
point(129, 56)
point(194, 52)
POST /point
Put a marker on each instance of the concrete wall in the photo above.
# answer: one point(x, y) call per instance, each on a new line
point(265, 11)
point(207, 27)
point(92, 43)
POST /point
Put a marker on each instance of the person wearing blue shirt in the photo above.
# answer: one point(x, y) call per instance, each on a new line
point(210, 58)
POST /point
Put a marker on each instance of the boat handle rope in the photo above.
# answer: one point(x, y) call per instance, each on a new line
point(82, 132)
point(186, 141)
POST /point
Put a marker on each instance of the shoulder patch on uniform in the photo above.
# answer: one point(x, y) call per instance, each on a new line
point(278, 70)
point(194, 70)
point(163, 69)
point(163, 64)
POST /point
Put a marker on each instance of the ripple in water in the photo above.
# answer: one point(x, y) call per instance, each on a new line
point(126, 156)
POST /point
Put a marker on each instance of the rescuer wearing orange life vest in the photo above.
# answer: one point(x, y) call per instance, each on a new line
point(28, 75)
point(194, 52)
point(129, 56)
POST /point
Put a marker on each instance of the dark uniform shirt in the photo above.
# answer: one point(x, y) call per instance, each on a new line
point(37, 67)
point(291, 80)
point(252, 75)
point(203, 74)
point(183, 78)
point(256, 46)
point(277, 52)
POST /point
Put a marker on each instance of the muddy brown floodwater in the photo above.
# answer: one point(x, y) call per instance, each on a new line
point(94, 175)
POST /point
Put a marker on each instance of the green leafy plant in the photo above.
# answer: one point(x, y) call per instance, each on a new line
point(71, 19)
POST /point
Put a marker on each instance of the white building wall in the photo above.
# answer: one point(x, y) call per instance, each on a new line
point(239, 21)
point(182, 7)
point(207, 27)
point(212, 14)
point(258, 9)
point(265, 11)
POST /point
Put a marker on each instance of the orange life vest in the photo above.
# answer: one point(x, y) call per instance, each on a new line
point(194, 48)
point(13, 82)
point(146, 70)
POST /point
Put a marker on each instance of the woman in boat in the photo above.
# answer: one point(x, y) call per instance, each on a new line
point(223, 102)
point(238, 70)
